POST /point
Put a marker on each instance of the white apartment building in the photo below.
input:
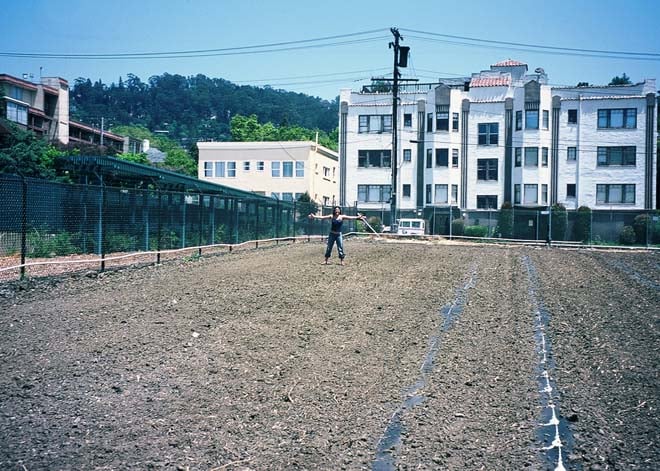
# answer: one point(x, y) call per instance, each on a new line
point(503, 134)
point(283, 170)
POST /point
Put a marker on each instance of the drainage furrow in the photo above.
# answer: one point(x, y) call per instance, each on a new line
point(555, 436)
point(391, 439)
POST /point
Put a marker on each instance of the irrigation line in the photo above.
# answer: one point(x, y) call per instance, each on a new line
point(553, 432)
point(391, 438)
point(632, 273)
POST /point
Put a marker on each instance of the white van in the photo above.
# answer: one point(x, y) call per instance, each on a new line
point(411, 226)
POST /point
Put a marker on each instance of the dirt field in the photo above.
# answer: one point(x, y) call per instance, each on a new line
point(412, 356)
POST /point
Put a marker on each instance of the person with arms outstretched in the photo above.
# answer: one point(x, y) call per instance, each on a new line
point(335, 236)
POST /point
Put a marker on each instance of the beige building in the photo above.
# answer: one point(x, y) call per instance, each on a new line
point(284, 170)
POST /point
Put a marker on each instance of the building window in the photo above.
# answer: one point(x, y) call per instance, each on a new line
point(440, 194)
point(486, 201)
point(625, 118)
point(387, 123)
point(374, 193)
point(518, 156)
point(544, 194)
point(406, 190)
point(363, 125)
point(488, 134)
point(544, 156)
point(571, 153)
point(572, 116)
point(429, 158)
point(518, 120)
point(429, 122)
point(531, 156)
point(208, 169)
point(287, 196)
point(454, 194)
point(374, 123)
point(516, 193)
point(287, 169)
point(531, 195)
point(570, 190)
point(231, 169)
point(615, 194)
point(407, 120)
point(454, 122)
point(442, 157)
point(454, 157)
point(374, 158)
point(487, 169)
point(546, 119)
point(407, 155)
point(260, 166)
point(246, 166)
point(275, 169)
point(429, 190)
point(532, 119)
point(220, 170)
point(442, 118)
point(300, 169)
point(326, 173)
point(17, 113)
point(275, 195)
point(617, 156)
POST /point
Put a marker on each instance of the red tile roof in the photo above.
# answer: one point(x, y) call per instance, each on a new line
point(501, 81)
point(508, 63)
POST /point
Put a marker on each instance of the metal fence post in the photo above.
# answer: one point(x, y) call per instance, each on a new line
point(256, 225)
point(199, 214)
point(102, 206)
point(183, 226)
point(160, 224)
point(23, 226)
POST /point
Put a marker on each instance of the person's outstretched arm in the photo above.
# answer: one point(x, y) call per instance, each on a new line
point(314, 216)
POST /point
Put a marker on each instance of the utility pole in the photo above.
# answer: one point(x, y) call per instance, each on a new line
point(395, 130)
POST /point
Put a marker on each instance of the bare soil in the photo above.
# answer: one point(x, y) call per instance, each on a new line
point(266, 359)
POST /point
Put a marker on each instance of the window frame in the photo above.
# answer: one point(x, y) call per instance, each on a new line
point(485, 131)
point(625, 151)
point(442, 157)
point(529, 153)
point(573, 187)
point(287, 169)
point(208, 169)
point(532, 119)
point(300, 169)
point(275, 169)
point(485, 201)
point(571, 154)
point(455, 118)
point(572, 116)
point(407, 155)
point(604, 118)
point(487, 170)
point(535, 192)
point(519, 120)
point(607, 189)
point(367, 160)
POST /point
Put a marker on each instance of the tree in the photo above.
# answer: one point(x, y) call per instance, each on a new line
point(583, 84)
point(135, 158)
point(179, 161)
point(505, 221)
point(23, 153)
point(559, 221)
point(582, 226)
point(623, 80)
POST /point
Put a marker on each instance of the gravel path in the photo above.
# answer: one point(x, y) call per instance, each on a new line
point(265, 359)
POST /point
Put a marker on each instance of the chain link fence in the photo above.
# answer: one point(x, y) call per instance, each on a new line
point(45, 219)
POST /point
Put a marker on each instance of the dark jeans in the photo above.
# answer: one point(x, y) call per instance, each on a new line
point(332, 238)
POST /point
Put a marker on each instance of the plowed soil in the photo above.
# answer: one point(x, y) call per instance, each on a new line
point(266, 359)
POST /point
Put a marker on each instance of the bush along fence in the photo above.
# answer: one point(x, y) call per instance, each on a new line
point(584, 226)
point(45, 219)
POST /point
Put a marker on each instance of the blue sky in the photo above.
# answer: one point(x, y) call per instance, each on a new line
point(123, 26)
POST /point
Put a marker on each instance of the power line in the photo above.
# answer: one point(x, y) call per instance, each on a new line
point(256, 49)
point(542, 48)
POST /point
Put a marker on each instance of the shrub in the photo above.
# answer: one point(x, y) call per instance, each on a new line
point(476, 231)
point(42, 244)
point(458, 227)
point(627, 236)
point(559, 221)
point(582, 226)
point(119, 243)
point(505, 221)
